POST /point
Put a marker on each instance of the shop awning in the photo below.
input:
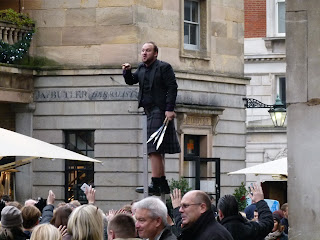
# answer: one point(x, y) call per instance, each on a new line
point(277, 168)
point(18, 145)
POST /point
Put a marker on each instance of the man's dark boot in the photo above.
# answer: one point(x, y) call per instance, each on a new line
point(154, 187)
point(164, 186)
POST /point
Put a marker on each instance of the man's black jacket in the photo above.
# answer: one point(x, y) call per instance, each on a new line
point(205, 228)
point(242, 229)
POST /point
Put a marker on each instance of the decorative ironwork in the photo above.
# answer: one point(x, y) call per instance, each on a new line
point(254, 103)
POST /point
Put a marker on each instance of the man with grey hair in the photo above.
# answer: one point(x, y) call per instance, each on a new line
point(151, 219)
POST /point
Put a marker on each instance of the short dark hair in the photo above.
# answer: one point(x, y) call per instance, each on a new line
point(155, 47)
point(228, 205)
point(123, 226)
point(61, 216)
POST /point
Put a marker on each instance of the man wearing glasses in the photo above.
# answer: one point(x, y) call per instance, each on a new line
point(197, 219)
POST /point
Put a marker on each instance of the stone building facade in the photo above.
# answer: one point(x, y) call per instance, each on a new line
point(83, 103)
point(265, 64)
point(303, 115)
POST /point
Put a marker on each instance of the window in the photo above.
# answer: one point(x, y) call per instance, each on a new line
point(281, 89)
point(191, 25)
point(280, 17)
point(276, 18)
point(78, 172)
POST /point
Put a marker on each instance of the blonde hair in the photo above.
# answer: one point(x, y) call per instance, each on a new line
point(46, 231)
point(86, 223)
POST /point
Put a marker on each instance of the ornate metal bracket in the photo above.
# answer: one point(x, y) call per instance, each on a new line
point(254, 103)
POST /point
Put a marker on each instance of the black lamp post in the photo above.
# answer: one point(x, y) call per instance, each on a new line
point(277, 111)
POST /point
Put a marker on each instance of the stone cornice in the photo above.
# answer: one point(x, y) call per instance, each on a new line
point(265, 58)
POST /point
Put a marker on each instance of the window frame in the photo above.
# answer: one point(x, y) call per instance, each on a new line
point(277, 33)
point(77, 167)
point(272, 19)
point(204, 50)
point(281, 79)
point(189, 46)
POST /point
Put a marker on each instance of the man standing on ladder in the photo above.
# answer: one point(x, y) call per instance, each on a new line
point(157, 95)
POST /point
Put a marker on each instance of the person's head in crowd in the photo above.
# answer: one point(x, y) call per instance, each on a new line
point(46, 232)
point(121, 226)
point(86, 222)
point(255, 215)
point(193, 205)
point(61, 204)
point(15, 204)
point(151, 217)
point(249, 210)
point(61, 216)
point(11, 223)
point(30, 202)
point(127, 208)
point(74, 204)
point(285, 210)
point(30, 216)
point(11, 217)
point(227, 206)
point(276, 221)
point(6, 198)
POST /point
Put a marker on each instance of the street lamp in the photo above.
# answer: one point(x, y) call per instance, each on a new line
point(277, 111)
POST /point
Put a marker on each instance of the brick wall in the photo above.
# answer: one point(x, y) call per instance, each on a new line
point(255, 18)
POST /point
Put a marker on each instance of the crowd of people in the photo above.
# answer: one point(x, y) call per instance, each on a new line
point(193, 218)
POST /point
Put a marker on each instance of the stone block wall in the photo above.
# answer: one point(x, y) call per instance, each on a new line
point(118, 129)
point(108, 33)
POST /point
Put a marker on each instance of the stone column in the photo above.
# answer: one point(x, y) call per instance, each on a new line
point(303, 98)
point(24, 125)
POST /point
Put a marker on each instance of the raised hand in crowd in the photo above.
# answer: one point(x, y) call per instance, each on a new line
point(51, 198)
point(90, 194)
point(113, 213)
point(175, 198)
point(256, 193)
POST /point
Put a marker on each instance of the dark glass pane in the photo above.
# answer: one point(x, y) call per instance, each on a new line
point(194, 10)
point(281, 17)
point(186, 33)
point(193, 34)
point(187, 14)
point(71, 142)
point(90, 154)
point(282, 89)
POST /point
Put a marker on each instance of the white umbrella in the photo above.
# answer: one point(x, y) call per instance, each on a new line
point(15, 144)
point(275, 167)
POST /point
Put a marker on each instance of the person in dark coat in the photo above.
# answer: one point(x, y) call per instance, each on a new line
point(151, 219)
point(11, 224)
point(157, 95)
point(277, 232)
point(284, 221)
point(239, 227)
point(197, 219)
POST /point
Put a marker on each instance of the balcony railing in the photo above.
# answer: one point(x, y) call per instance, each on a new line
point(10, 33)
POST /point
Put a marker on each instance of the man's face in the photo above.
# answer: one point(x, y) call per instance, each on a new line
point(148, 54)
point(146, 226)
point(190, 209)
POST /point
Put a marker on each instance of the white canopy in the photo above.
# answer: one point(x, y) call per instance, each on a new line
point(15, 144)
point(275, 167)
